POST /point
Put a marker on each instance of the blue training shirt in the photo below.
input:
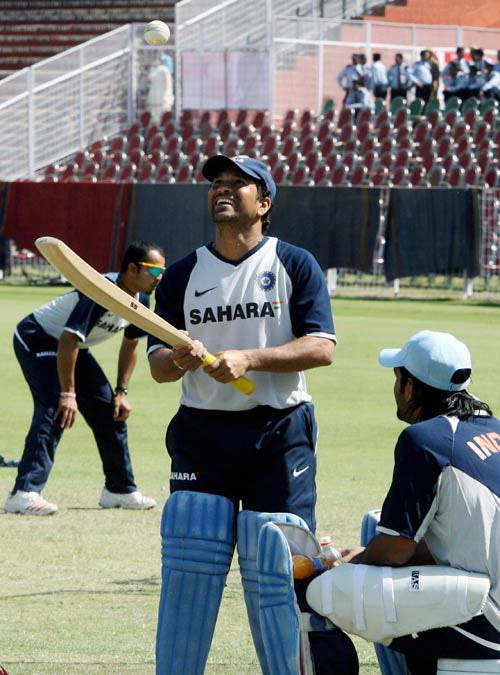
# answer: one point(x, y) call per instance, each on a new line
point(446, 490)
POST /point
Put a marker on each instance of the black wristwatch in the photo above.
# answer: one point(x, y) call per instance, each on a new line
point(121, 390)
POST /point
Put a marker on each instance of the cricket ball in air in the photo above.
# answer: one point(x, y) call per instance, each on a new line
point(157, 33)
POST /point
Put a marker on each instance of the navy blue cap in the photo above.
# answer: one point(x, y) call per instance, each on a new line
point(249, 165)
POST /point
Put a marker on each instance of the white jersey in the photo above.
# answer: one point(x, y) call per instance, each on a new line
point(273, 295)
point(76, 313)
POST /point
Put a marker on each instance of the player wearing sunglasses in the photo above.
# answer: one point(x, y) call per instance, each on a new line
point(52, 346)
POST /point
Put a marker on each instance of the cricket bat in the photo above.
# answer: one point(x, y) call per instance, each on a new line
point(99, 289)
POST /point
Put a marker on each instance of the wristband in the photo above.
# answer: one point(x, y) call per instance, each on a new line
point(67, 394)
point(121, 390)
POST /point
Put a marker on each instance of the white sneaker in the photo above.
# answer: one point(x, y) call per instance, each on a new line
point(29, 504)
point(127, 500)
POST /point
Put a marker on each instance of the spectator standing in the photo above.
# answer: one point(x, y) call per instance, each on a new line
point(474, 82)
point(399, 78)
point(497, 64)
point(422, 75)
point(454, 81)
point(160, 97)
point(348, 74)
point(379, 80)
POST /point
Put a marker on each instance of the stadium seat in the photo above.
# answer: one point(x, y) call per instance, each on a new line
point(272, 159)
point(449, 160)
point(293, 160)
point(396, 104)
point(400, 177)
point(280, 173)
point(339, 175)
point(169, 130)
point(128, 173)
point(364, 116)
point(309, 143)
point(380, 177)
point(370, 160)
point(363, 131)
point(259, 119)
point(166, 117)
point(401, 116)
point(416, 109)
point(251, 146)
point(270, 144)
point(403, 158)
point(471, 116)
point(346, 133)
point(349, 159)
point(387, 159)
point(444, 146)
point(290, 145)
point(109, 172)
point(473, 177)
point(241, 117)
point(145, 174)
point(436, 176)
point(358, 175)
point(301, 176)
point(145, 119)
point(164, 174)
point(184, 173)
point(345, 117)
point(453, 103)
point(451, 117)
point(312, 159)
point(466, 159)
point(382, 118)
point(460, 130)
point(492, 176)
point(321, 175)
point(327, 146)
point(212, 145)
point(417, 176)
point(481, 132)
point(455, 176)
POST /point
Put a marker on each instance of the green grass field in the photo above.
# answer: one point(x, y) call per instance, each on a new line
point(79, 590)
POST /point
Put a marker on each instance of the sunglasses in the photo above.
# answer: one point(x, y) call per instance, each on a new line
point(154, 270)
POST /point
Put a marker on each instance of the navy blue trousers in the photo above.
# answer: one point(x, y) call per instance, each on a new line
point(263, 458)
point(95, 403)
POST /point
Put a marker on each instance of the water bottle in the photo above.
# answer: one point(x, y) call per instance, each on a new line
point(328, 549)
point(305, 566)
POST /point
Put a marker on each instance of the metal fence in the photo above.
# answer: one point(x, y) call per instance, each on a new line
point(63, 104)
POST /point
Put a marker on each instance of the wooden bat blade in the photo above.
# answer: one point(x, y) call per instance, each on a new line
point(99, 289)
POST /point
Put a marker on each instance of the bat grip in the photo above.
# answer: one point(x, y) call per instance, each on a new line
point(243, 384)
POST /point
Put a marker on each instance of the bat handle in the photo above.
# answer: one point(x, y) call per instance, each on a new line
point(243, 384)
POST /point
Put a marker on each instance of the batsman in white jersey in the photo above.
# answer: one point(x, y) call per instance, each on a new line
point(261, 305)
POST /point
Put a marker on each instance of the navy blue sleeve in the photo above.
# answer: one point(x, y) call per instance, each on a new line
point(310, 306)
point(417, 468)
point(169, 295)
point(84, 316)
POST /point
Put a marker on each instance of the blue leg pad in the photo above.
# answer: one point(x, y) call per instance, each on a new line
point(197, 547)
point(389, 661)
point(278, 610)
point(249, 526)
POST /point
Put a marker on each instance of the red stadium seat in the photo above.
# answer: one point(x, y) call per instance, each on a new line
point(417, 176)
point(455, 176)
point(184, 173)
point(321, 175)
point(380, 176)
point(280, 173)
point(164, 174)
point(358, 175)
point(401, 177)
point(436, 176)
point(301, 176)
point(339, 175)
point(147, 172)
point(241, 117)
point(345, 117)
point(128, 172)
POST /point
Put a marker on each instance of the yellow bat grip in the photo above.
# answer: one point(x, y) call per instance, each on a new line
point(243, 384)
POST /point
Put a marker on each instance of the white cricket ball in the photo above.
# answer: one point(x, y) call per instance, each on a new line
point(157, 33)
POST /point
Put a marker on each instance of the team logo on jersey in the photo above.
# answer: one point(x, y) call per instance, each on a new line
point(266, 281)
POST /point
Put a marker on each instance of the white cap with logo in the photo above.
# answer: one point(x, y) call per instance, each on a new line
point(431, 357)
